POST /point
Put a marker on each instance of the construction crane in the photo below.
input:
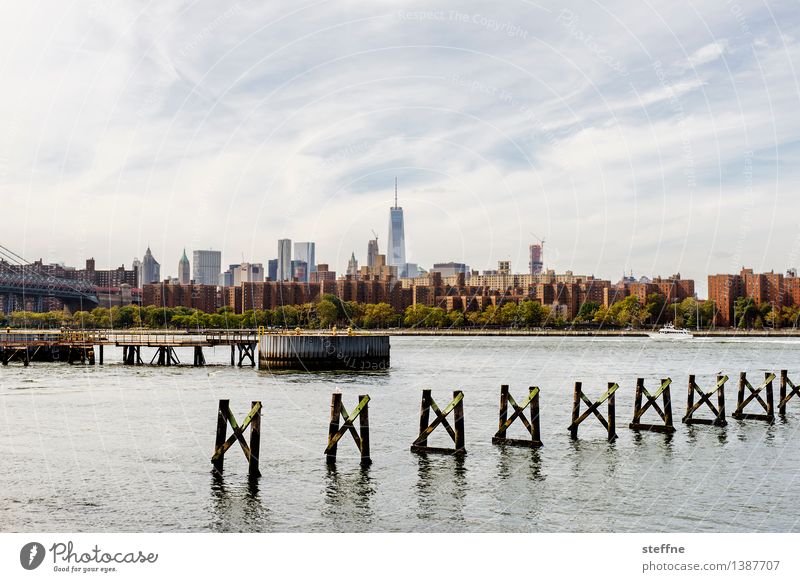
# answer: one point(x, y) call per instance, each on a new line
point(541, 240)
point(375, 233)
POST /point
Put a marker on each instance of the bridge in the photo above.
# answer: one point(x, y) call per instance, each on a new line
point(24, 287)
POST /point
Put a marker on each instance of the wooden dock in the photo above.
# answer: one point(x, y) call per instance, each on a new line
point(86, 347)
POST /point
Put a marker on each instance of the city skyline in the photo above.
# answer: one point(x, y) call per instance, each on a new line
point(620, 145)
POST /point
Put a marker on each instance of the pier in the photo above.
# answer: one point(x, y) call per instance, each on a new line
point(138, 346)
point(328, 351)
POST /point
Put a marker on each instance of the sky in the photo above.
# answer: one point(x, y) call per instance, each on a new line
point(657, 137)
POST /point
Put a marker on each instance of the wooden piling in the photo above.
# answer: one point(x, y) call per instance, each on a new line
point(222, 427)
point(420, 444)
point(592, 408)
point(335, 433)
point(225, 417)
point(652, 401)
point(532, 402)
point(785, 395)
point(755, 394)
point(705, 398)
point(255, 440)
point(363, 425)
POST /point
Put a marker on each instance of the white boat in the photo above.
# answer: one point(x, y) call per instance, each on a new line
point(669, 331)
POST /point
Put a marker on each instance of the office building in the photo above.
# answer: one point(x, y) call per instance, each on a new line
point(352, 266)
point(184, 271)
point(305, 251)
point(247, 273)
point(396, 251)
point(322, 274)
point(284, 270)
point(372, 252)
point(299, 271)
point(206, 267)
point(450, 269)
point(272, 269)
point(151, 269)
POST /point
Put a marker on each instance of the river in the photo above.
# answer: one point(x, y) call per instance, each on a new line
point(119, 448)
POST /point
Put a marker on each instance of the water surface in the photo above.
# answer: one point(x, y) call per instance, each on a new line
point(117, 448)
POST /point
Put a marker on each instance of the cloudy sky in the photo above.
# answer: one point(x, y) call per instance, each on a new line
point(653, 136)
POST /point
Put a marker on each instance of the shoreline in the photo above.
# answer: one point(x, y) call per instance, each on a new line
point(575, 333)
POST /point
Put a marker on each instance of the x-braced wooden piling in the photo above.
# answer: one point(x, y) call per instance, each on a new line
point(531, 400)
point(755, 394)
point(652, 400)
point(248, 351)
point(785, 382)
point(609, 424)
point(420, 445)
point(165, 356)
point(251, 453)
point(705, 397)
point(335, 432)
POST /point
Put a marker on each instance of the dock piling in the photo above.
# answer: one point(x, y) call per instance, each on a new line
point(755, 394)
point(705, 398)
point(652, 401)
point(532, 401)
point(420, 444)
point(592, 408)
point(335, 432)
point(221, 445)
point(795, 391)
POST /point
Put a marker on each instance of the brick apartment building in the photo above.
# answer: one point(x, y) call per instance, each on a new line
point(773, 288)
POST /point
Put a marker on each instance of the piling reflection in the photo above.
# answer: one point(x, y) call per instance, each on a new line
point(348, 497)
point(593, 459)
point(441, 489)
point(236, 506)
point(665, 442)
point(515, 461)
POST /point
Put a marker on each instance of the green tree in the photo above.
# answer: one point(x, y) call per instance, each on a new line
point(327, 313)
point(745, 312)
point(378, 315)
point(654, 307)
point(587, 311)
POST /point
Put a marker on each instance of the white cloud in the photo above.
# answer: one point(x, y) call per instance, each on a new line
point(231, 127)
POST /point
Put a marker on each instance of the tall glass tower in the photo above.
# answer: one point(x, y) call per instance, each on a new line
point(396, 251)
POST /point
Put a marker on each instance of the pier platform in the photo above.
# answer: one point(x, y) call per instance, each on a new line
point(326, 351)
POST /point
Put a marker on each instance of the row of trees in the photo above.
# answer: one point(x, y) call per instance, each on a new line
point(749, 314)
point(330, 311)
point(631, 312)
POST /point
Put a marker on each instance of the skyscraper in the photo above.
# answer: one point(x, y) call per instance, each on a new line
point(151, 270)
point(207, 266)
point(272, 269)
point(137, 268)
point(300, 270)
point(305, 251)
point(247, 273)
point(372, 252)
point(184, 272)
point(396, 252)
point(535, 263)
point(284, 260)
point(352, 266)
